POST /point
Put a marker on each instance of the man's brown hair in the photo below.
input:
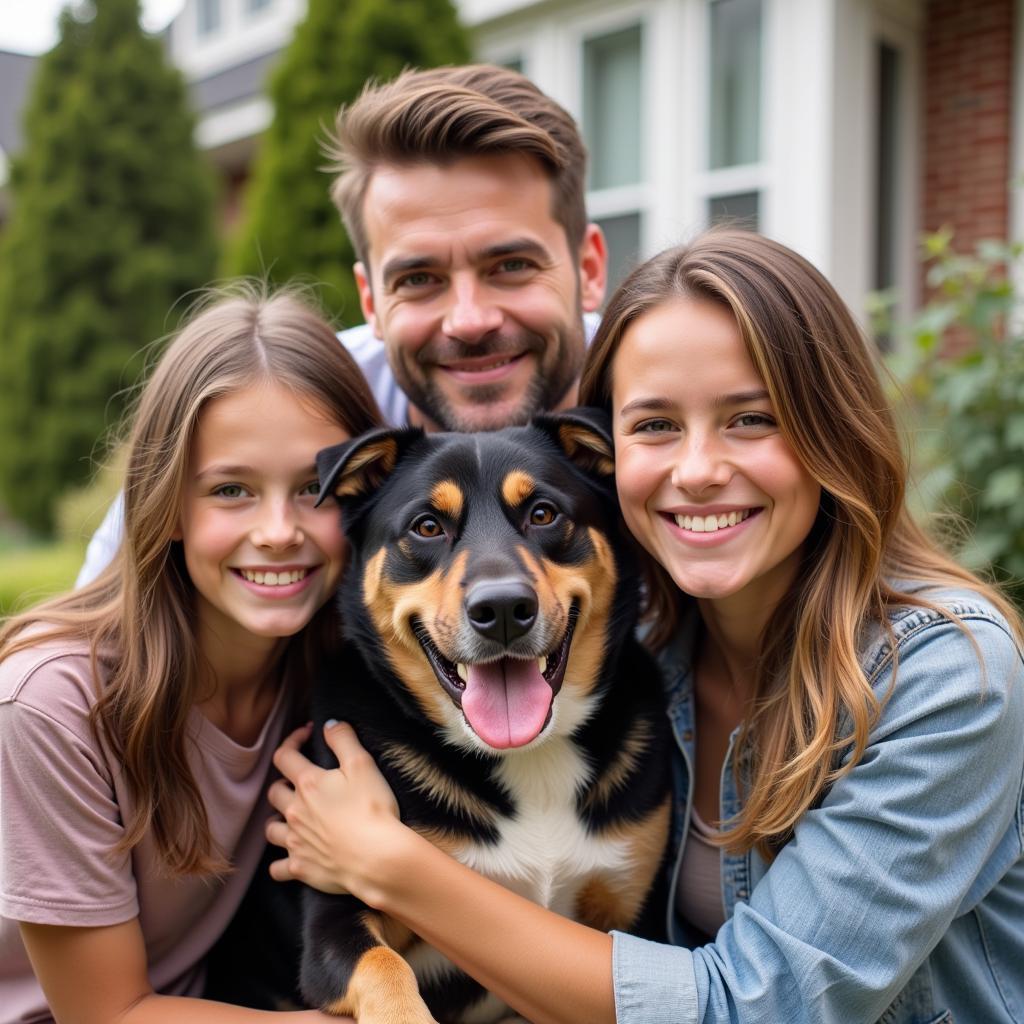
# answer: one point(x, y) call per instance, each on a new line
point(443, 114)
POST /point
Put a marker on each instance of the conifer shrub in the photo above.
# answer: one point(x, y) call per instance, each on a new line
point(111, 224)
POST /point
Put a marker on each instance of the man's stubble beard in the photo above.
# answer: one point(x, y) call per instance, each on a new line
point(547, 387)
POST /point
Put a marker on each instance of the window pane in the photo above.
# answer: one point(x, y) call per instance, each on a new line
point(612, 107)
point(735, 82)
point(741, 210)
point(513, 64)
point(623, 236)
point(209, 16)
point(258, 5)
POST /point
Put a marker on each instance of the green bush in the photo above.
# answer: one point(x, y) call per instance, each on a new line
point(111, 223)
point(967, 405)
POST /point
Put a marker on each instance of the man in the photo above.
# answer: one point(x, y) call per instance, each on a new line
point(462, 190)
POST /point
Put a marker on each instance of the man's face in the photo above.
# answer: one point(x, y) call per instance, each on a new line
point(475, 290)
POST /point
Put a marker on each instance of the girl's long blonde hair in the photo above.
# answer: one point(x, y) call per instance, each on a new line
point(138, 617)
point(822, 379)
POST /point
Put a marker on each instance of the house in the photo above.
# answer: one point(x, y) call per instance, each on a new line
point(844, 128)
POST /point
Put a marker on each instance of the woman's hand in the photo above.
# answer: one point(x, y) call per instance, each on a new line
point(338, 821)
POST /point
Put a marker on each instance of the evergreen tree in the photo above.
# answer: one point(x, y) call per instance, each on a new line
point(111, 223)
point(291, 227)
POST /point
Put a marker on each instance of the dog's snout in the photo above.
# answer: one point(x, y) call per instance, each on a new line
point(502, 610)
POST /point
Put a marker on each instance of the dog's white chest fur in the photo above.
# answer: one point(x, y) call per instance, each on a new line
point(544, 852)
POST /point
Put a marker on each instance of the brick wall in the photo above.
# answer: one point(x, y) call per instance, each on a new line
point(968, 85)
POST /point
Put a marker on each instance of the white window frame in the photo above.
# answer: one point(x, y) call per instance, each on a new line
point(720, 182)
point(619, 200)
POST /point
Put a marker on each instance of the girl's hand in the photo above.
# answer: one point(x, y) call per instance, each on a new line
point(338, 821)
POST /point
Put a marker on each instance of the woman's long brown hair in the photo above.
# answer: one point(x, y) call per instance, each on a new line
point(137, 619)
point(822, 378)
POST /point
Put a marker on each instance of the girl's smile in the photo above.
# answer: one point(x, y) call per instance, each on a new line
point(262, 558)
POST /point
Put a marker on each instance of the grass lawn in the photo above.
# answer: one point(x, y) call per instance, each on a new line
point(31, 572)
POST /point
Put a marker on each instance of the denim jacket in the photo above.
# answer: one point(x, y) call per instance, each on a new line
point(900, 897)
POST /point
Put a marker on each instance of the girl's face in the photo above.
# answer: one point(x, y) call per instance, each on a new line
point(707, 483)
point(262, 558)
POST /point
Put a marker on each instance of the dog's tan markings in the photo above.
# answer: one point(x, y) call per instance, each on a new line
point(368, 467)
point(372, 574)
point(517, 487)
point(448, 499)
point(587, 449)
point(434, 601)
point(591, 584)
point(443, 840)
point(382, 989)
point(645, 841)
point(599, 904)
point(389, 932)
point(616, 774)
point(422, 774)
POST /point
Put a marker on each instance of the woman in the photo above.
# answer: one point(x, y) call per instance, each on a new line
point(138, 715)
point(848, 702)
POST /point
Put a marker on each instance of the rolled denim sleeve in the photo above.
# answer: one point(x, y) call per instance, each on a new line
point(654, 983)
point(915, 835)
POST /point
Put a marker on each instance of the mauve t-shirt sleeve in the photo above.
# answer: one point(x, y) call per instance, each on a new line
point(59, 817)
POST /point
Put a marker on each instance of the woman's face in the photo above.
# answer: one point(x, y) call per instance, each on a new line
point(707, 483)
point(262, 558)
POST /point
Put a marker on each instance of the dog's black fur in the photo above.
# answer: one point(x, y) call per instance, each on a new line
point(495, 548)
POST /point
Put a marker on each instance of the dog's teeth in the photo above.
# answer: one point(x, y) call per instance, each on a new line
point(463, 672)
point(542, 664)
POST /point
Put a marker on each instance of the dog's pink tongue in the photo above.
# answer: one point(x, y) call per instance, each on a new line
point(506, 702)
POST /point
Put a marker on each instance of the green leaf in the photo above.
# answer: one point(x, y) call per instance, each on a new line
point(984, 548)
point(1014, 434)
point(1005, 487)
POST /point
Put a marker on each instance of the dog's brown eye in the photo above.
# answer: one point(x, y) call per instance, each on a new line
point(427, 526)
point(542, 514)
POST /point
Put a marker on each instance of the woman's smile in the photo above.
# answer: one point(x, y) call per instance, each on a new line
point(707, 481)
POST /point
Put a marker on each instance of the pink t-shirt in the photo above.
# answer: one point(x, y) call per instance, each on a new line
point(62, 804)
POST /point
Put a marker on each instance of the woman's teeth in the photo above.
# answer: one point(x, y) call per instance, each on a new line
point(709, 524)
point(274, 579)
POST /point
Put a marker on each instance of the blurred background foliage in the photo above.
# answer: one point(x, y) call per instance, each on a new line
point(962, 374)
point(112, 222)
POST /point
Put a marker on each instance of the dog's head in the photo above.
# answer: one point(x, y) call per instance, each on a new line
point(488, 571)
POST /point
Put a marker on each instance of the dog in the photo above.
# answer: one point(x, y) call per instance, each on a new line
point(491, 668)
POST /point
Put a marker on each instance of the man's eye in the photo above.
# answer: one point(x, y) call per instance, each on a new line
point(419, 279)
point(428, 527)
point(229, 491)
point(656, 426)
point(514, 264)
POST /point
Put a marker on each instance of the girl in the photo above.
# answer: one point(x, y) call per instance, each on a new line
point(138, 715)
point(848, 703)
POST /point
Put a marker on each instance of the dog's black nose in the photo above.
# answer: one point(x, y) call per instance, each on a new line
point(502, 610)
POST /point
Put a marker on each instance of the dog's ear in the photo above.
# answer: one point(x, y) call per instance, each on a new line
point(358, 467)
point(585, 435)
